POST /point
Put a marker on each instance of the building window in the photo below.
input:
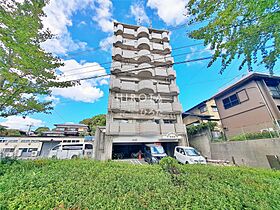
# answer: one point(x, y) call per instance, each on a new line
point(203, 109)
point(274, 91)
point(231, 101)
point(214, 109)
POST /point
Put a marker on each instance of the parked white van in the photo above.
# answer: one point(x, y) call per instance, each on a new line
point(188, 155)
point(72, 150)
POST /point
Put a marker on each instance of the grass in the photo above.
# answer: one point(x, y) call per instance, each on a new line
point(87, 184)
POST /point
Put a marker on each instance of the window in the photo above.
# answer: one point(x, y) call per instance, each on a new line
point(203, 109)
point(88, 146)
point(214, 109)
point(72, 147)
point(274, 90)
point(231, 101)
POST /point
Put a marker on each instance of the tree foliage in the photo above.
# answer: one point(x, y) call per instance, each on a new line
point(195, 129)
point(245, 29)
point(27, 72)
point(40, 130)
point(93, 122)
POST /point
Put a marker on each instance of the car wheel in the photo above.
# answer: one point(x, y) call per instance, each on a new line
point(186, 162)
point(74, 157)
point(54, 157)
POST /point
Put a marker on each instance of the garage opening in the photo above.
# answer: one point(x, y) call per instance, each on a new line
point(128, 151)
point(125, 151)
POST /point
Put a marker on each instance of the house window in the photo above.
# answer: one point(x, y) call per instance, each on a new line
point(231, 101)
point(203, 109)
point(274, 91)
point(214, 109)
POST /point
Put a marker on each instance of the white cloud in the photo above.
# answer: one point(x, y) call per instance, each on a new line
point(53, 99)
point(103, 15)
point(87, 91)
point(18, 122)
point(137, 10)
point(170, 11)
point(58, 19)
point(106, 44)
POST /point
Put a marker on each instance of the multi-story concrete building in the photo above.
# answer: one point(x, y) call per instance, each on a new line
point(143, 101)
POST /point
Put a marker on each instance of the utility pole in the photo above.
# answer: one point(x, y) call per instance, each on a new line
point(29, 129)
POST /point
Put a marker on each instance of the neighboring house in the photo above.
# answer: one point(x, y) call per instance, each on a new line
point(67, 129)
point(251, 104)
point(141, 72)
point(203, 112)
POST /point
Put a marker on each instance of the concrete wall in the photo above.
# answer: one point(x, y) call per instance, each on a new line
point(249, 153)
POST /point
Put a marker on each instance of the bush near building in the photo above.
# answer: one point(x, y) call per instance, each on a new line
point(87, 184)
point(255, 135)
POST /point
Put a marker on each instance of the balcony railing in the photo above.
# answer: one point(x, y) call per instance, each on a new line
point(143, 43)
point(142, 32)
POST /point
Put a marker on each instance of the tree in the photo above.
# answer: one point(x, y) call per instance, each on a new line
point(27, 72)
point(246, 29)
point(40, 130)
point(92, 123)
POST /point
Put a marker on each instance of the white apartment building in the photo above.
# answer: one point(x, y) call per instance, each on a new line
point(143, 102)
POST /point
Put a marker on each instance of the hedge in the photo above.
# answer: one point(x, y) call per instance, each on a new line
point(88, 184)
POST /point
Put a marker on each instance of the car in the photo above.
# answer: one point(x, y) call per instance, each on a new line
point(72, 150)
point(153, 153)
point(188, 155)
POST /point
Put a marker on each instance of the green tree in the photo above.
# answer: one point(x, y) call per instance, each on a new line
point(92, 123)
point(40, 130)
point(246, 29)
point(27, 72)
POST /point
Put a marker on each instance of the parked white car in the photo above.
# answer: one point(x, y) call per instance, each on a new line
point(188, 155)
point(72, 150)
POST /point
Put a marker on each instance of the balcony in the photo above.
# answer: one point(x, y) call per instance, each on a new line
point(177, 107)
point(128, 32)
point(174, 89)
point(162, 88)
point(147, 104)
point(165, 36)
point(114, 128)
point(146, 86)
point(115, 104)
point(180, 128)
point(118, 40)
point(165, 107)
point(166, 47)
point(159, 58)
point(119, 29)
point(144, 56)
point(143, 43)
point(115, 84)
point(117, 53)
point(128, 86)
point(169, 59)
point(116, 67)
point(156, 35)
point(157, 46)
point(167, 128)
point(149, 128)
point(161, 72)
point(143, 32)
point(128, 128)
point(171, 73)
point(130, 106)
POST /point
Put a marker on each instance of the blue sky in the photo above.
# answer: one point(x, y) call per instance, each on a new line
point(82, 26)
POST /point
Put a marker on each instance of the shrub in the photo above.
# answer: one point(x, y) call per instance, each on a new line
point(255, 135)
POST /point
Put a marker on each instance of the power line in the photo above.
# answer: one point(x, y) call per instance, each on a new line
point(137, 69)
point(112, 68)
point(150, 53)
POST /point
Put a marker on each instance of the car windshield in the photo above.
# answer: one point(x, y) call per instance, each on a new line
point(157, 150)
point(192, 152)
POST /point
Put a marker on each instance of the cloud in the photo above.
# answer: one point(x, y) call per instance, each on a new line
point(18, 122)
point(58, 19)
point(137, 11)
point(103, 15)
point(53, 99)
point(170, 11)
point(87, 91)
point(106, 44)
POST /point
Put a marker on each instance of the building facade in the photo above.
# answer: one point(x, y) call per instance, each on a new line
point(143, 101)
point(252, 104)
point(67, 129)
point(206, 111)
